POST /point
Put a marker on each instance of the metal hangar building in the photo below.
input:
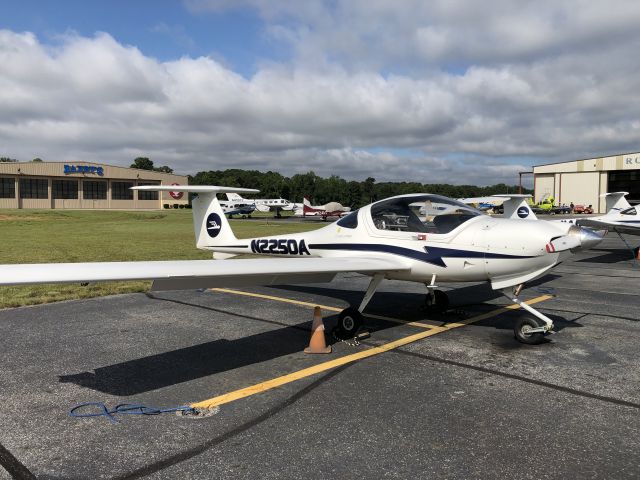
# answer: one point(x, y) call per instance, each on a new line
point(583, 181)
point(83, 185)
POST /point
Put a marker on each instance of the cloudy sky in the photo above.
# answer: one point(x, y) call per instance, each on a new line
point(433, 91)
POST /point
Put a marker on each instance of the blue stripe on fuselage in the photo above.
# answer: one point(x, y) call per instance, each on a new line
point(432, 255)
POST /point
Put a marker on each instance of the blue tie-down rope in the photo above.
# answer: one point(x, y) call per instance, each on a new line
point(123, 409)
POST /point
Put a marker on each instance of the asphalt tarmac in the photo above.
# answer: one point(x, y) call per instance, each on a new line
point(457, 397)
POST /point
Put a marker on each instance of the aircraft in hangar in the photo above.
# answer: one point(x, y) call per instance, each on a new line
point(384, 240)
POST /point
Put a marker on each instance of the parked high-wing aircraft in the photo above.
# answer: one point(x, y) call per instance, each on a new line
point(237, 208)
point(331, 209)
point(620, 218)
point(385, 239)
point(262, 204)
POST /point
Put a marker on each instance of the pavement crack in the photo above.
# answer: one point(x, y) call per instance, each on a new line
point(203, 447)
point(571, 391)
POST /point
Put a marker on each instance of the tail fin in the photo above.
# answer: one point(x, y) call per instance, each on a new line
point(306, 202)
point(234, 197)
point(210, 225)
point(516, 206)
point(616, 201)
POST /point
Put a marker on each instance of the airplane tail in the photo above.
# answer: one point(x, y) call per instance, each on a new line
point(306, 202)
point(234, 197)
point(516, 206)
point(616, 201)
point(210, 225)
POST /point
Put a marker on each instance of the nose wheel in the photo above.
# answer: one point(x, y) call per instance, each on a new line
point(527, 331)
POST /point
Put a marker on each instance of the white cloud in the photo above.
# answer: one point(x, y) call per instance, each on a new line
point(398, 93)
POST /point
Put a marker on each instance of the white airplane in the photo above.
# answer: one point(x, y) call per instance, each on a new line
point(237, 208)
point(483, 203)
point(385, 239)
point(262, 204)
point(620, 218)
point(331, 209)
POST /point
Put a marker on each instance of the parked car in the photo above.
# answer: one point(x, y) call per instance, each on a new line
point(582, 209)
point(561, 209)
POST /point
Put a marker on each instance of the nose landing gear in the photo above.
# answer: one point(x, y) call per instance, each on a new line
point(529, 330)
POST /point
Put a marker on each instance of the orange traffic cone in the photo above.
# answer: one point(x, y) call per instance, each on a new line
point(317, 343)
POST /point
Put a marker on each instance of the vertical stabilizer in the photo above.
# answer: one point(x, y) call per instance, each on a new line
point(616, 201)
point(210, 225)
point(234, 197)
point(516, 206)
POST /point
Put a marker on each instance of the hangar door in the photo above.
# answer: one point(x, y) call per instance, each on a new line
point(625, 181)
point(581, 188)
point(545, 185)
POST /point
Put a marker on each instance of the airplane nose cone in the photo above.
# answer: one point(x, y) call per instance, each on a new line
point(588, 238)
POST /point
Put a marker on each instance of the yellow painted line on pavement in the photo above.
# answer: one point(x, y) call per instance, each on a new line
point(322, 367)
point(312, 305)
point(277, 299)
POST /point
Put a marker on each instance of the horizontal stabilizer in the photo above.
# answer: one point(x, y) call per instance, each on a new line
point(190, 274)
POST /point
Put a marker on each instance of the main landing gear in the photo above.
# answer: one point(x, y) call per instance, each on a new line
point(436, 301)
point(635, 252)
point(530, 330)
point(350, 319)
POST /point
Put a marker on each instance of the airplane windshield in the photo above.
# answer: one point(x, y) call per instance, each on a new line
point(421, 213)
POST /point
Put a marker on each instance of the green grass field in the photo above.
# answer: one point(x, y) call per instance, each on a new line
point(47, 236)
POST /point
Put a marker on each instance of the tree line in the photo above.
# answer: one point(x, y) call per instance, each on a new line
point(334, 188)
point(318, 189)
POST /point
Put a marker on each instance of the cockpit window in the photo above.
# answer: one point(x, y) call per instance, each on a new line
point(629, 211)
point(350, 221)
point(421, 213)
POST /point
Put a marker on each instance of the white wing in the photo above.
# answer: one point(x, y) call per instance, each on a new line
point(190, 274)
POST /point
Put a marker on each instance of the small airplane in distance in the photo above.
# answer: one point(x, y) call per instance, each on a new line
point(262, 204)
point(384, 240)
point(237, 208)
point(483, 203)
point(621, 217)
point(331, 209)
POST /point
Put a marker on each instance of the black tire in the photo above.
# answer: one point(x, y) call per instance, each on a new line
point(441, 303)
point(349, 322)
point(520, 331)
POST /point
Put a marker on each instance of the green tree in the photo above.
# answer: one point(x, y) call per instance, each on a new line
point(7, 160)
point(143, 163)
point(368, 190)
point(37, 160)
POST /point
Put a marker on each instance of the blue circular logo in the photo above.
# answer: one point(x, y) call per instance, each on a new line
point(523, 212)
point(214, 225)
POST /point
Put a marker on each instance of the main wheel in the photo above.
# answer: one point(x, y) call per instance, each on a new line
point(349, 321)
point(522, 327)
point(439, 303)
